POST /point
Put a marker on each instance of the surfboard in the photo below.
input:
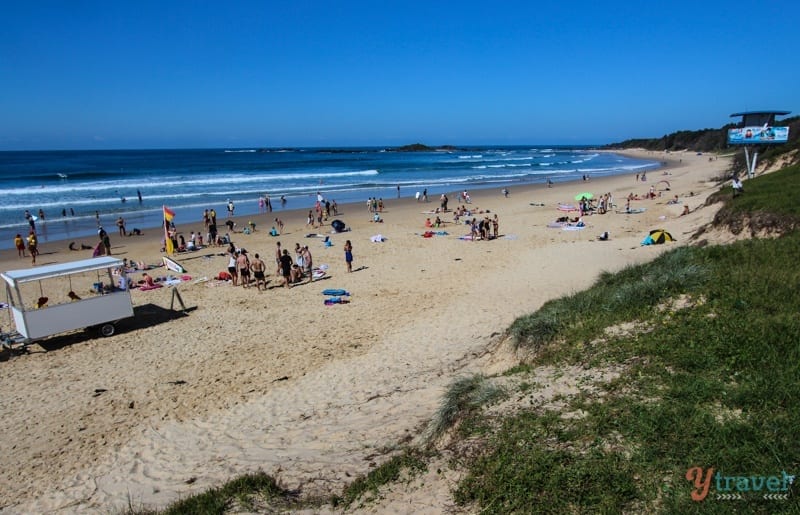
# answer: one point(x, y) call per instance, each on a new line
point(173, 265)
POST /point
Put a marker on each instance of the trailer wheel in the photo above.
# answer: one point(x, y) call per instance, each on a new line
point(107, 329)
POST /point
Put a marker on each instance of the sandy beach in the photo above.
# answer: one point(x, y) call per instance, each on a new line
point(276, 380)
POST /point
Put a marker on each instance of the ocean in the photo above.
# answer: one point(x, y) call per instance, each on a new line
point(73, 188)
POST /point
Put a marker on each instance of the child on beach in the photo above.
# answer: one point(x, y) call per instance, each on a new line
point(348, 255)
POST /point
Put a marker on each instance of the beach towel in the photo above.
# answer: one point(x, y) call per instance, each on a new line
point(336, 300)
point(566, 207)
point(378, 238)
point(337, 292)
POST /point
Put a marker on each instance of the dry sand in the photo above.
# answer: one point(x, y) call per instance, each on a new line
point(278, 381)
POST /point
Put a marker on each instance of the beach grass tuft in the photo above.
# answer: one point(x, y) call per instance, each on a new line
point(391, 470)
point(465, 395)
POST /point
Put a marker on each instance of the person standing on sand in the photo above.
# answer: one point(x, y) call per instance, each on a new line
point(348, 254)
point(121, 226)
point(285, 267)
point(20, 244)
point(232, 257)
point(308, 263)
point(243, 267)
point(278, 255)
point(258, 268)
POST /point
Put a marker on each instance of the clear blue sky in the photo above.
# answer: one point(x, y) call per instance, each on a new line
point(172, 74)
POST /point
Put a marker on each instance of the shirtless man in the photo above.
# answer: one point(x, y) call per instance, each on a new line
point(243, 267)
point(258, 267)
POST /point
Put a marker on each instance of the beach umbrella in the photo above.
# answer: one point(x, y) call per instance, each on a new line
point(657, 237)
point(585, 194)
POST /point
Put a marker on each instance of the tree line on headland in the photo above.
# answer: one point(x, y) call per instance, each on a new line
point(716, 140)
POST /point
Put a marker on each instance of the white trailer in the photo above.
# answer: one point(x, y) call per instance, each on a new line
point(100, 306)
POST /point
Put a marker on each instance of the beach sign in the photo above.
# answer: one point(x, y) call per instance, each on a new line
point(758, 135)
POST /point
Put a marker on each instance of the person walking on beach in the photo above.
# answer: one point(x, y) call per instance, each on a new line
point(279, 225)
point(106, 240)
point(231, 208)
point(33, 246)
point(121, 226)
point(348, 255)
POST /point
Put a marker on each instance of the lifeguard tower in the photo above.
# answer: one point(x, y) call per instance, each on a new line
point(757, 128)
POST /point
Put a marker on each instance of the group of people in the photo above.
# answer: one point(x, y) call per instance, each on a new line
point(485, 229)
point(600, 206)
point(31, 243)
point(244, 270)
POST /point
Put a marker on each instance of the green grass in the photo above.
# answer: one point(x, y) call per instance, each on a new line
point(246, 491)
point(386, 473)
point(716, 384)
point(769, 202)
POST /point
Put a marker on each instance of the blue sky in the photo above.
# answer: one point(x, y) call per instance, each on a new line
point(172, 74)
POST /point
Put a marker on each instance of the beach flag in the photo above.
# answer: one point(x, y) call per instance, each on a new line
point(168, 216)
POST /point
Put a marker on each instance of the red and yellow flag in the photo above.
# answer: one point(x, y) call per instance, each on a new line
point(168, 214)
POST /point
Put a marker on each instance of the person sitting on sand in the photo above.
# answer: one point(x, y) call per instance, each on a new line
point(437, 222)
point(148, 281)
point(685, 211)
point(377, 218)
point(674, 201)
point(73, 296)
point(42, 302)
point(428, 223)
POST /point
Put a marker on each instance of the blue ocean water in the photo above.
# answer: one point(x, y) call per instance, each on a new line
point(70, 187)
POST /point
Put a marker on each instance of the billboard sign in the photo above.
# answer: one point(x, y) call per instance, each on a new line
point(758, 135)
